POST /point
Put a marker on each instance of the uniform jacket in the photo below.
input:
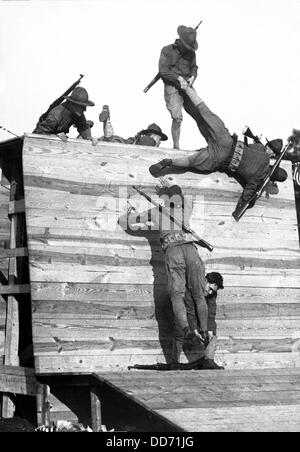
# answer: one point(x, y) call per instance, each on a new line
point(59, 120)
point(176, 60)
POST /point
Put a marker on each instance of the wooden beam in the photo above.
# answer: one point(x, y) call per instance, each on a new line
point(16, 252)
point(14, 289)
point(15, 207)
point(12, 318)
point(95, 411)
point(43, 406)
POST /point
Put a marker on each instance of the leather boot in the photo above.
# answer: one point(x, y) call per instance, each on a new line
point(104, 115)
point(156, 169)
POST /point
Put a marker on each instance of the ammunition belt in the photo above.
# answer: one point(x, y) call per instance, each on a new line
point(176, 238)
point(237, 157)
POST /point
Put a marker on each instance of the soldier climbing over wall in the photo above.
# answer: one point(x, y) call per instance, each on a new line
point(59, 119)
point(249, 164)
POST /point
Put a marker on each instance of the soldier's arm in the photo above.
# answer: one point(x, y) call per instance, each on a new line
point(83, 129)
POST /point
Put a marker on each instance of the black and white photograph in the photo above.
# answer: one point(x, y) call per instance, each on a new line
point(150, 219)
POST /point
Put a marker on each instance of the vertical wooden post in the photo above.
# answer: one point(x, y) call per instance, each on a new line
point(95, 411)
point(12, 311)
point(43, 406)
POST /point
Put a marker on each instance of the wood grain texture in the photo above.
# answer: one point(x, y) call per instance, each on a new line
point(99, 298)
point(229, 401)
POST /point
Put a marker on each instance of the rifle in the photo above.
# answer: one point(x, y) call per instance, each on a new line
point(248, 133)
point(60, 99)
point(175, 220)
point(158, 76)
point(241, 208)
point(194, 365)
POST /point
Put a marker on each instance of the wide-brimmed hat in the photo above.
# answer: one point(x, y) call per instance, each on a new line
point(80, 96)
point(187, 36)
point(154, 128)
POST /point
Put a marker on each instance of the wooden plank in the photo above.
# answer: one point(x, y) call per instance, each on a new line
point(87, 274)
point(95, 411)
point(15, 207)
point(131, 310)
point(236, 418)
point(83, 363)
point(12, 319)
point(17, 252)
point(109, 345)
point(14, 289)
point(143, 294)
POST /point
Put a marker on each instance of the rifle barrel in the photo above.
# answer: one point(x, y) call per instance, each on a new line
point(165, 210)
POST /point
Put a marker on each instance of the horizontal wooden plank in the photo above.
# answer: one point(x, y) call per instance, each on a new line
point(14, 252)
point(83, 363)
point(108, 221)
point(142, 295)
point(110, 345)
point(127, 310)
point(15, 289)
point(59, 272)
point(43, 198)
point(88, 329)
point(110, 236)
point(90, 252)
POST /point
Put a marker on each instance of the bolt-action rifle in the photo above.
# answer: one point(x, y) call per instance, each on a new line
point(175, 220)
point(157, 77)
point(60, 99)
point(194, 365)
point(242, 207)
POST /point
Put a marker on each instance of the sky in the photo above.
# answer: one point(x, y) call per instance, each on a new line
point(248, 59)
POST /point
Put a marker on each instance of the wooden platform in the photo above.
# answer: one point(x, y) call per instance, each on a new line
point(99, 298)
point(216, 401)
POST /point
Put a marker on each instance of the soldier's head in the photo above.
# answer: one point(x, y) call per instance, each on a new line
point(154, 132)
point(79, 100)
point(188, 37)
point(214, 282)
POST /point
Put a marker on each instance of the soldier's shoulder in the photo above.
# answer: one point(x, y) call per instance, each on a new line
point(168, 48)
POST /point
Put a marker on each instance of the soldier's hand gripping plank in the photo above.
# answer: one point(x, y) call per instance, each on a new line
point(249, 164)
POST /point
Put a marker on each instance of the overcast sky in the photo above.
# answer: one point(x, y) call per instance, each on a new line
point(248, 58)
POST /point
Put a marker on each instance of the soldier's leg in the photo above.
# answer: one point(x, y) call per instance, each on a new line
point(176, 274)
point(174, 103)
point(104, 117)
point(196, 283)
point(210, 125)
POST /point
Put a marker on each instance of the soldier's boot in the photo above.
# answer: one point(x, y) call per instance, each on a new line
point(157, 168)
point(104, 115)
point(210, 364)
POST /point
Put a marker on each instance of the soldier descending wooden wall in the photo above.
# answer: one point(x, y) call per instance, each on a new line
point(99, 298)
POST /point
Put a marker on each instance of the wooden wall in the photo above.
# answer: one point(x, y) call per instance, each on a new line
point(99, 298)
